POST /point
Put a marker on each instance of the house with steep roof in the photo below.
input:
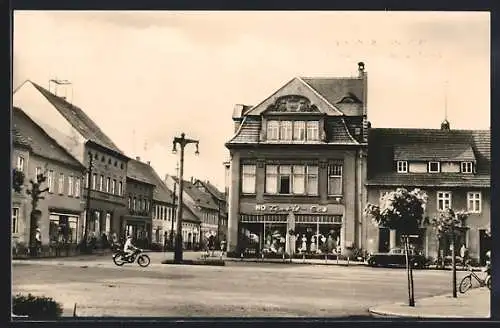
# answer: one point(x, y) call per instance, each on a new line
point(220, 199)
point(80, 136)
point(201, 205)
point(451, 166)
point(36, 152)
point(298, 164)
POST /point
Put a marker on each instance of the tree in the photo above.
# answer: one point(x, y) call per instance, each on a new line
point(446, 224)
point(36, 193)
point(401, 210)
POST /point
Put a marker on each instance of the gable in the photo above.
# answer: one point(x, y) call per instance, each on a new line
point(295, 96)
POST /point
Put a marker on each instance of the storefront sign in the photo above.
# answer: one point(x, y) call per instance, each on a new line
point(291, 208)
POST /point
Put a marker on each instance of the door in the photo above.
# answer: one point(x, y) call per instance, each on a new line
point(383, 240)
point(484, 246)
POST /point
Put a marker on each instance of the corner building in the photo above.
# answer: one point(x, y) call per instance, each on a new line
point(297, 162)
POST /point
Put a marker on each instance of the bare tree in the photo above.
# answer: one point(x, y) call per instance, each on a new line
point(403, 211)
point(446, 225)
point(36, 193)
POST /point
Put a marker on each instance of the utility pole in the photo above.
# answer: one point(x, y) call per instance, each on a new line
point(182, 142)
point(175, 196)
point(87, 207)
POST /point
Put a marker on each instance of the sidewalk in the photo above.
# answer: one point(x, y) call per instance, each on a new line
point(474, 304)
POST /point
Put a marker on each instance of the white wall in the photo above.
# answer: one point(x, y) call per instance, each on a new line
point(450, 167)
point(417, 167)
point(40, 110)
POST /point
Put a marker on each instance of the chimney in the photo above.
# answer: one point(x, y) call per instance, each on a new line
point(192, 180)
point(137, 158)
point(445, 125)
point(149, 163)
point(361, 69)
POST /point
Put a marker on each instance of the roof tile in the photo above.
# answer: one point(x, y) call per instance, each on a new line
point(437, 152)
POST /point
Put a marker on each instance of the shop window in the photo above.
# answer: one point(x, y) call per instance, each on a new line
point(15, 220)
point(443, 200)
point(335, 179)
point(248, 179)
point(474, 202)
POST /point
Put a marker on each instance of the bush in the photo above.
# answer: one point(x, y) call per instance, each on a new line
point(36, 307)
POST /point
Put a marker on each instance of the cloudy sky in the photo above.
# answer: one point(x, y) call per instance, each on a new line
point(145, 77)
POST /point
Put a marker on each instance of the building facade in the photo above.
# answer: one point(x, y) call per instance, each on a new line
point(34, 153)
point(298, 165)
point(218, 198)
point(83, 139)
point(451, 166)
point(140, 189)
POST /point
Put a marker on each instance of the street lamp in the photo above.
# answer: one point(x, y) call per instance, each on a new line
point(87, 216)
point(182, 142)
point(172, 226)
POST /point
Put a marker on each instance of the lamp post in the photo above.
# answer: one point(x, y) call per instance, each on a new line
point(172, 226)
point(182, 141)
point(87, 212)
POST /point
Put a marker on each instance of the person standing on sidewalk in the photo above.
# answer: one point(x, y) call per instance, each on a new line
point(38, 241)
point(463, 255)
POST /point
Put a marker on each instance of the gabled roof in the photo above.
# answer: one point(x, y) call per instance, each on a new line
point(337, 88)
point(434, 152)
point(202, 199)
point(140, 171)
point(384, 145)
point(26, 132)
point(78, 119)
point(213, 190)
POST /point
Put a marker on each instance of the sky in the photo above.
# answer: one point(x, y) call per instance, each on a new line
point(146, 77)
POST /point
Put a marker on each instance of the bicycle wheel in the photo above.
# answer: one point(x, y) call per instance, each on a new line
point(488, 282)
point(143, 260)
point(465, 284)
point(117, 258)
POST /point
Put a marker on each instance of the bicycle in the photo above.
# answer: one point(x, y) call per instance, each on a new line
point(466, 282)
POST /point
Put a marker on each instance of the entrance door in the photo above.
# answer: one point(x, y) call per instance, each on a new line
point(484, 246)
point(383, 240)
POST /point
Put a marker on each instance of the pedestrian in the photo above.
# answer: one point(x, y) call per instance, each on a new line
point(463, 255)
point(38, 242)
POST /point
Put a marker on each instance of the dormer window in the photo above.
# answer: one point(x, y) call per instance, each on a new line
point(433, 167)
point(402, 166)
point(467, 167)
point(292, 130)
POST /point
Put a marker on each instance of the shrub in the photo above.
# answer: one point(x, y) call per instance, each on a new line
point(36, 307)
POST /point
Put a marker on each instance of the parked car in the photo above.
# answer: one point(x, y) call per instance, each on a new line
point(397, 257)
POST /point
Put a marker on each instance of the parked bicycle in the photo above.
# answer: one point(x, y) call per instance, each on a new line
point(466, 282)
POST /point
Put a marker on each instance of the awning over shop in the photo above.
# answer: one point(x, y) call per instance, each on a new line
point(282, 218)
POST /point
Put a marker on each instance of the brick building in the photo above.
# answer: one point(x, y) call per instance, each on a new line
point(451, 166)
point(78, 134)
point(298, 163)
point(36, 152)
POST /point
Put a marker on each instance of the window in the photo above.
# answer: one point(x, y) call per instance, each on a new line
point(312, 180)
point(474, 202)
point(466, 167)
point(94, 181)
point(120, 186)
point(15, 219)
point(20, 163)
point(87, 180)
point(402, 166)
point(101, 183)
point(50, 181)
point(248, 179)
point(134, 203)
point(284, 179)
point(271, 178)
point(77, 187)
point(335, 179)
point(312, 130)
point(443, 200)
point(38, 171)
point(61, 183)
point(273, 130)
point(299, 130)
point(107, 229)
point(433, 167)
point(299, 178)
point(129, 202)
point(113, 186)
point(70, 186)
point(286, 130)
point(108, 184)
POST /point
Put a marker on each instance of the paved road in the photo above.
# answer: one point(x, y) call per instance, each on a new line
point(239, 289)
